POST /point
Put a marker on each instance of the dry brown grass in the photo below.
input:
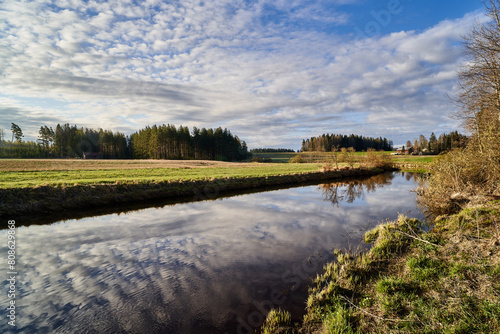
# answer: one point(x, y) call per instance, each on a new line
point(460, 177)
point(77, 164)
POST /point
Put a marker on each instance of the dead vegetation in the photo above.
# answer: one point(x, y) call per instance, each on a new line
point(460, 178)
point(472, 175)
point(79, 164)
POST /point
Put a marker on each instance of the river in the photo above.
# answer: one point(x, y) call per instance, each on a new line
point(202, 267)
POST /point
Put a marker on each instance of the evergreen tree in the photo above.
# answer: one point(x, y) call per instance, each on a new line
point(17, 133)
point(327, 142)
point(432, 146)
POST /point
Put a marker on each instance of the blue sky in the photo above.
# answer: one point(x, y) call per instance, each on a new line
point(273, 72)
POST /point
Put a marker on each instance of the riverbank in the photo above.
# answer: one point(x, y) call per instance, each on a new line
point(446, 280)
point(92, 190)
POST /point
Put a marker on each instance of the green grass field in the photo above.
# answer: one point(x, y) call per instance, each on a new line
point(413, 158)
point(18, 173)
point(276, 157)
point(32, 173)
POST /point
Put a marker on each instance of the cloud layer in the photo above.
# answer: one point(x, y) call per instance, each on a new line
point(267, 70)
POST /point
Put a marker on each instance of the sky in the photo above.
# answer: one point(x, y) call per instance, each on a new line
point(272, 72)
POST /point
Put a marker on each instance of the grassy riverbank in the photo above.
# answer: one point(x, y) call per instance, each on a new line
point(30, 187)
point(411, 281)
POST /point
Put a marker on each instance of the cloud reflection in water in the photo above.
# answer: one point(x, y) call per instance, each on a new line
point(195, 267)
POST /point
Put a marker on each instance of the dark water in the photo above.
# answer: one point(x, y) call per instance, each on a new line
point(204, 267)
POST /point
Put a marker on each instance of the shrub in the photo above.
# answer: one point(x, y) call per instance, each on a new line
point(297, 159)
point(347, 155)
point(327, 166)
point(457, 178)
point(380, 160)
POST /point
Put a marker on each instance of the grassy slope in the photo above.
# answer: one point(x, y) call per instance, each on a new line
point(31, 173)
point(411, 281)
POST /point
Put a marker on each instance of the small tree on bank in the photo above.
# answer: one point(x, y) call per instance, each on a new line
point(347, 155)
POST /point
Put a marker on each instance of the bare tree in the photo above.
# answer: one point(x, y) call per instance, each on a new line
point(480, 80)
point(473, 173)
point(347, 155)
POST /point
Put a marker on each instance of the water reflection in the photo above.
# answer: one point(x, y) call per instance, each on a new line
point(205, 267)
point(350, 190)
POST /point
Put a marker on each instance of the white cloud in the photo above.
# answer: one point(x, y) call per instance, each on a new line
point(221, 62)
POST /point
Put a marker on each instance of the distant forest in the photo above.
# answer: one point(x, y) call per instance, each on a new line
point(272, 150)
point(167, 142)
point(152, 142)
point(331, 142)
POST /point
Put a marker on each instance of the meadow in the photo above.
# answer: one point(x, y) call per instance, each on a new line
point(16, 173)
point(277, 156)
point(19, 173)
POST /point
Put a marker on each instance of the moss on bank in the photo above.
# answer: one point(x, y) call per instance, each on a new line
point(55, 198)
point(446, 280)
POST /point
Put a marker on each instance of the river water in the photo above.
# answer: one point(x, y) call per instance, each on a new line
point(202, 267)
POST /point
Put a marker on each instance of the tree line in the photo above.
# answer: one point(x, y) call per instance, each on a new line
point(156, 142)
point(169, 142)
point(435, 145)
point(334, 142)
point(17, 148)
